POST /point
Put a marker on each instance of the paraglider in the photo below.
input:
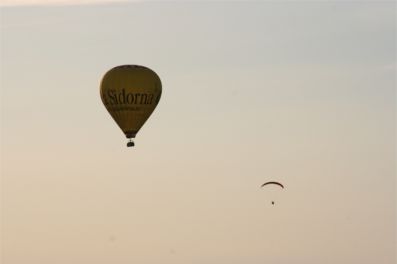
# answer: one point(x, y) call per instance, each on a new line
point(272, 183)
point(130, 93)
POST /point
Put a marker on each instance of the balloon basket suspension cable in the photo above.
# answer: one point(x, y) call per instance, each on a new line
point(130, 143)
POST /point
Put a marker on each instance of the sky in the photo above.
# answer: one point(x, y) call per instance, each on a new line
point(43, 3)
point(301, 92)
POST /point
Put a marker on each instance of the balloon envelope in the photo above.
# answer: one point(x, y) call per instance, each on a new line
point(130, 93)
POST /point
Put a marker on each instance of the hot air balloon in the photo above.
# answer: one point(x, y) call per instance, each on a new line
point(130, 93)
point(272, 183)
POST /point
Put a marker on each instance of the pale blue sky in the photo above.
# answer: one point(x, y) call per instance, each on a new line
point(300, 92)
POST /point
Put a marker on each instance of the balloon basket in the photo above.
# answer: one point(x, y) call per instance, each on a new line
point(130, 143)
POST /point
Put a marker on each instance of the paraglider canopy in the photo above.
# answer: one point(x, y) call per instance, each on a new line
point(273, 182)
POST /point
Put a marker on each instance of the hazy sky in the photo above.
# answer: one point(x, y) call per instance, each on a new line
point(299, 92)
